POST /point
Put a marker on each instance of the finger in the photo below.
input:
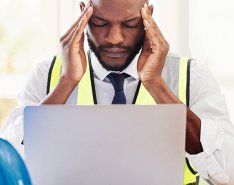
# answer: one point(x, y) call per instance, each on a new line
point(75, 25)
point(82, 41)
point(157, 44)
point(155, 39)
point(151, 19)
point(145, 52)
point(71, 35)
point(66, 40)
point(158, 41)
point(152, 23)
point(80, 30)
point(147, 45)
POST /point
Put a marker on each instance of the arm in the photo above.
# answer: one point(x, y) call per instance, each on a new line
point(162, 95)
point(73, 60)
point(150, 65)
point(217, 132)
point(209, 132)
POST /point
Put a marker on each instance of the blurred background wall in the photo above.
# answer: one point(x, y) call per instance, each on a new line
point(30, 31)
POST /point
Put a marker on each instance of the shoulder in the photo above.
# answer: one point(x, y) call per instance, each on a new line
point(40, 71)
point(173, 60)
point(198, 70)
point(35, 88)
point(171, 57)
point(44, 66)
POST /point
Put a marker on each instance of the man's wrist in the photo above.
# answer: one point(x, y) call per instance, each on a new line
point(154, 86)
point(67, 82)
point(61, 92)
point(160, 91)
point(155, 81)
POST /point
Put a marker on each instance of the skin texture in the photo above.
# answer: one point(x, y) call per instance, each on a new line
point(115, 45)
point(115, 28)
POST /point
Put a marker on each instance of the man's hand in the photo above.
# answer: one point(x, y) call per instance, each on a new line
point(150, 65)
point(154, 50)
point(73, 60)
point(73, 54)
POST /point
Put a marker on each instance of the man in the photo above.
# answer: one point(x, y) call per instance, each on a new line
point(129, 55)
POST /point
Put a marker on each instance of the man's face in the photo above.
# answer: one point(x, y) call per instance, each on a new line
point(116, 32)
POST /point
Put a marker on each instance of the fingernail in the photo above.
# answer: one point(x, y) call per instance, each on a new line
point(91, 4)
point(147, 24)
point(89, 9)
point(145, 12)
point(145, 6)
point(86, 8)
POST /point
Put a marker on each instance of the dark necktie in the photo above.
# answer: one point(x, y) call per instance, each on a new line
point(117, 81)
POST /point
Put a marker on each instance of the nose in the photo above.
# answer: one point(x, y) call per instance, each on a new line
point(114, 35)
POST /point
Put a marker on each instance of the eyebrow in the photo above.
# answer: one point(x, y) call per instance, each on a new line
point(133, 19)
point(129, 20)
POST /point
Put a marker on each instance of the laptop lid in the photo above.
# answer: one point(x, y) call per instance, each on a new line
point(105, 145)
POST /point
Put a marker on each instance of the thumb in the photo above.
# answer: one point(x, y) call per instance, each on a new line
point(81, 43)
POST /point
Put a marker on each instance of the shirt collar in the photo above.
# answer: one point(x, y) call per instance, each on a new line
point(101, 72)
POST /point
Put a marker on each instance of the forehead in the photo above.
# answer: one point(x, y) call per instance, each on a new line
point(117, 9)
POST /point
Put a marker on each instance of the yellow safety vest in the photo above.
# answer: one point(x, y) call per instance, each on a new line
point(87, 96)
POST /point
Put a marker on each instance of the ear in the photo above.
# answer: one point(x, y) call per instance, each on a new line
point(82, 6)
point(151, 9)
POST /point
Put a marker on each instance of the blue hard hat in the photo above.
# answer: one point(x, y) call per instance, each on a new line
point(12, 168)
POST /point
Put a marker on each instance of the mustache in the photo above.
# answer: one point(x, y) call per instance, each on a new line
point(128, 49)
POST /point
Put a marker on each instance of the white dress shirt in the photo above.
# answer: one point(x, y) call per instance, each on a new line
point(215, 163)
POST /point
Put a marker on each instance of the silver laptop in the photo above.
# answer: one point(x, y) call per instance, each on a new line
point(105, 145)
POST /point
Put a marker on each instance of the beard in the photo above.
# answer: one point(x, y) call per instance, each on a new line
point(132, 52)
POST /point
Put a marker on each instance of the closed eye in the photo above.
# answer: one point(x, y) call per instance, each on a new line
point(98, 22)
point(130, 26)
point(132, 23)
point(99, 25)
